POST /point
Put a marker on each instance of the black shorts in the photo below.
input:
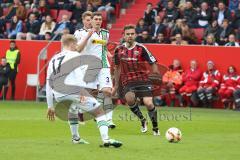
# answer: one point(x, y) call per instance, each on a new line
point(140, 89)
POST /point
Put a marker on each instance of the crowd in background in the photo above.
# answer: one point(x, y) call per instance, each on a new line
point(177, 22)
point(32, 19)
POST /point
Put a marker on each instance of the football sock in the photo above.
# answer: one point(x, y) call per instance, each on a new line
point(103, 127)
point(153, 116)
point(73, 123)
point(135, 109)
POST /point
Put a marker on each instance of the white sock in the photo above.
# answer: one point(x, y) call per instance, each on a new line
point(109, 115)
point(103, 127)
point(74, 128)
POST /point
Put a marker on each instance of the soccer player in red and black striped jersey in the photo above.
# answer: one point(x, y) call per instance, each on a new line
point(130, 73)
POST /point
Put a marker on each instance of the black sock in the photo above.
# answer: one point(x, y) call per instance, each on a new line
point(153, 116)
point(135, 109)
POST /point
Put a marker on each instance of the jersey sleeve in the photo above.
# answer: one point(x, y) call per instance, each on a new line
point(49, 90)
point(147, 55)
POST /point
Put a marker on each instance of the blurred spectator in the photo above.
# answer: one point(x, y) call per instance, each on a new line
point(16, 27)
point(177, 28)
point(36, 12)
point(210, 41)
point(188, 34)
point(190, 15)
point(204, 15)
point(63, 4)
point(157, 27)
point(236, 23)
point(233, 5)
point(44, 9)
point(32, 26)
point(232, 41)
point(53, 4)
point(179, 41)
point(47, 36)
point(209, 84)
point(222, 13)
point(212, 29)
point(4, 75)
point(108, 6)
point(16, 9)
point(13, 58)
point(65, 23)
point(171, 14)
point(94, 4)
point(191, 78)
point(163, 4)
point(90, 7)
point(47, 26)
point(149, 14)
point(224, 32)
point(161, 39)
point(236, 96)
point(65, 31)
point(140, 27)
point(144, 38)
point(228, 85)
point(77, 10)
point(172, 81)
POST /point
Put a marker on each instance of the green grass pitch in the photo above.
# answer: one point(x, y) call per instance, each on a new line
point(26, 134)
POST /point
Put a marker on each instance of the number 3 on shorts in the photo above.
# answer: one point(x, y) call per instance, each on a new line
point(107, 79)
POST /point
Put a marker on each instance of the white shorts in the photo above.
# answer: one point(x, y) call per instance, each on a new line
point(85, 104)
point(104, 78)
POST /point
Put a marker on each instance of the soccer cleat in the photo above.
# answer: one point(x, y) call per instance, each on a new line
point(156, 132)
point(144, 126)
point(111, 142)
point(111, 124)
point(78, 140)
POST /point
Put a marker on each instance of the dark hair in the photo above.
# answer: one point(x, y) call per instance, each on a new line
point(130, 26)
point(12, 41)
point(149, 3)
point(96, 14)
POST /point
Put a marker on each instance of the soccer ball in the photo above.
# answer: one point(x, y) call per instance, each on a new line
point(173, 135)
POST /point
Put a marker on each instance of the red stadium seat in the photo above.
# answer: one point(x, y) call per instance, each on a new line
point(54, 13)
point(61, 13)
point(199, 34)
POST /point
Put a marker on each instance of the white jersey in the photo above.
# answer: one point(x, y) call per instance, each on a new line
point(96, 44)
point(74, 78)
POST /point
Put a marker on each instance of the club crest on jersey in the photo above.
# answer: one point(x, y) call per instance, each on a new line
point(136, 52)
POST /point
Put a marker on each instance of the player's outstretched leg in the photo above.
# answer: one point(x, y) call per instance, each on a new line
point(133, 105)
point(103, 128)
point(105, 99)
point(152, 113)
point(73, 123)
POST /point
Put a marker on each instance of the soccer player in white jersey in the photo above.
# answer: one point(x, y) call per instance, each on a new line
point(57, 67)
point(96, 45)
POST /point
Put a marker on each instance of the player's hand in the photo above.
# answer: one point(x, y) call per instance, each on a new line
point(114, 91)
point(51, 114)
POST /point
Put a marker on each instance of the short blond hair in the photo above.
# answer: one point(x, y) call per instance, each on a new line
point(87, 13)
point(68, 39)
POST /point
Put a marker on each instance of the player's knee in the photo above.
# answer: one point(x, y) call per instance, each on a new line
point(130, 98)
point(148, 101)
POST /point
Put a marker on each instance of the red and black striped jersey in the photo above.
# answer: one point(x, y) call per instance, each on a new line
point(134, 62)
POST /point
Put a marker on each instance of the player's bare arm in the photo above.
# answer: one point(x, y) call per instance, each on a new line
point(117, 71)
